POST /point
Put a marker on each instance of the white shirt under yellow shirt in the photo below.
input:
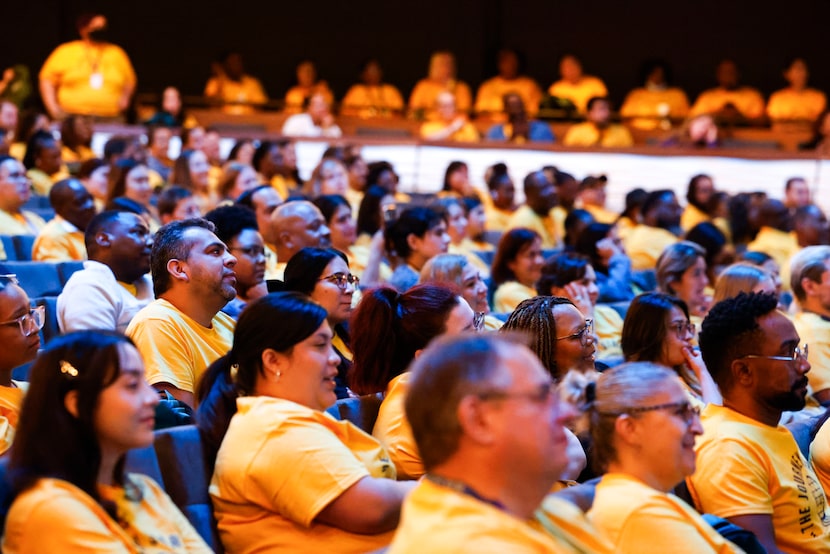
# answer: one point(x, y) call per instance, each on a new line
point(175, 348)
point(279, 466)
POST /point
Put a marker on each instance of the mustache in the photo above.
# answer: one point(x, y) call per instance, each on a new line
point(801, 383)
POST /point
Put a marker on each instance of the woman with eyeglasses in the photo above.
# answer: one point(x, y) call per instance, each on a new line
point(657, 329)
point(643, 429)
point(323, 274)
point(19, 326)
point(87, 405)
point(456, 270)
point(389, 329)
point(288, 477)
point(236, 226)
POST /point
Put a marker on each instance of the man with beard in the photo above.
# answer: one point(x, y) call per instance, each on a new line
point(113, 285)
point(810, 281)
point(659, 229)
point(183, 331)
point(538, 211)
point(749, 468)
point(598, 129)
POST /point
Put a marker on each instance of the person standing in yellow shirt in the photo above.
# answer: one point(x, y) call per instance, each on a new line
point(88, 76)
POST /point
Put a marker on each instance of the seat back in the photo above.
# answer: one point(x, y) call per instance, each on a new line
point(50, 326)
point(36, 278)
point(361, 411)
point(66, 269)
point(23, 245)
point(181, 459)
point(144, 461)
point(8, 247)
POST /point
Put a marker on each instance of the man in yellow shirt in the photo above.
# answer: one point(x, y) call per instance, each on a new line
point(538, 211)
point(749, 468)
point(263, 200)
point(508, 81)
point(810, 281)
point(15, 190)
point(468, 395)
point(88, 76)
point(660, 228)
point(183, 331)
point(592, 198)
point(576, 86)
point(62, 239)
point(449, 123)
point(774, 237)
point(235, 90)
point(729, 100)
point(598, 129)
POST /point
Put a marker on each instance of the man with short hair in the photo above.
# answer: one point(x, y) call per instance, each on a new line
point(183, 331)
point(796, 193)
point(810, 281)
point(537, 213)
point(519, 128)
point(468, 395)
point(296, 225)
point(263, 200)
point(592, 196)
point(749, 468)
point(659, 229)
point(598, 129)
point(316, 121)
point(62, 239)
point(113, 285)
point(15, 190)
point(810, 226)
point(774, 237)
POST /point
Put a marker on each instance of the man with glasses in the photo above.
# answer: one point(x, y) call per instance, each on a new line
point(15, 190)
point(114, 284)
point(749, 468)
point(19, 326)
point(490, 429)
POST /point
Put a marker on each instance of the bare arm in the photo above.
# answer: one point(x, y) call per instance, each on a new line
point(371, 274)
point(709, 389)
point(370, 506)
point(48, 92)
point(761, 525)
point(177, 393)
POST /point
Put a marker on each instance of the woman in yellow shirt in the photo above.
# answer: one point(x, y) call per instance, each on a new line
point(516, 267)
point(644, 428)
point(88, 404)
point(288, 476)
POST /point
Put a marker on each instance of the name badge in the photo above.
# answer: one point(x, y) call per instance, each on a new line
point(96, 80)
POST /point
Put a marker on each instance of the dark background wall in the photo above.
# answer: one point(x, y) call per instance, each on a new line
point(174, 41)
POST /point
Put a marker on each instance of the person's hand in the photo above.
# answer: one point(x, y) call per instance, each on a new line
point(578, 294)
point(8, 76)
point(694, 360)
point(607, 247)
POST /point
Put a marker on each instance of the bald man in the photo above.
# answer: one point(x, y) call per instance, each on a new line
point(296, 225)
point(62, 239)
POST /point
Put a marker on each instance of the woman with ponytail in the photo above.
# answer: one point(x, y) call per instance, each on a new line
point(388, 330)
point(287, 475)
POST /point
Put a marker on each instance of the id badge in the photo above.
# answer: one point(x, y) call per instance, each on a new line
point(96, 80)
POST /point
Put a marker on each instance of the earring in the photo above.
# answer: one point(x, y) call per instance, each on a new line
point(278, 375)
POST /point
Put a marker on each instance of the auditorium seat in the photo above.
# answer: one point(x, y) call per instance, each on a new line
point(36, 278)
point(50, 325)
point(66, 269)
point(361, 411)
point(8, 247)
point(23, 247)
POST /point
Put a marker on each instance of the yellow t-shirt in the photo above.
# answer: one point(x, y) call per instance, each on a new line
point(56, 516)
point(22, 223)
point(579, 93)
point(489, 98)
point(587, 134)
point(72, 67)
point(790, 104)
point(279, 465)
point(601, 214)
point(780, 245)
point(608, 325)
point(692, 215)
point(394, 433)
point(80, 154)
point(551, 228)
point(175, 348)
point(270, 261)
point(747, 100)
point(59, 241)
point(747, 468)
point(509, 295)
point(468, 248)
point(248, 90)
point(438, 519)
point(467, 133)
point(366, 101)
point(358, 256)
point(820, 456)
point(11, 400)
point(569, 527)
point(497, 220)
point(644, 106)
point(644, 244)
point(426, 91)
point(641, 520)
point(296, 95)
point(814, 330)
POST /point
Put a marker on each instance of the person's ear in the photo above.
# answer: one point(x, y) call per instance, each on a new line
point(70, 402)
point(742, 373)
point(476, 420)
point(414, 241)
point(103, 239)
point(178, 270)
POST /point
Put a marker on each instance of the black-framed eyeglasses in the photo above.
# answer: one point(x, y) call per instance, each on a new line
point(584, 334)
point(478, 321)
point(682, 328)
point(684, 410)
point(340, 279)
point(798, 352)
point(29, 323)
point(542, 394)
point(250, 251)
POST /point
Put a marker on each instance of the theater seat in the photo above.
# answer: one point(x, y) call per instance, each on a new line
point(361, 411)
point(144, 461)
point(23, 245)
point(36, 278)
point(50, 326)
point(66, 269)
point(8, 247)
point(181, 460)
